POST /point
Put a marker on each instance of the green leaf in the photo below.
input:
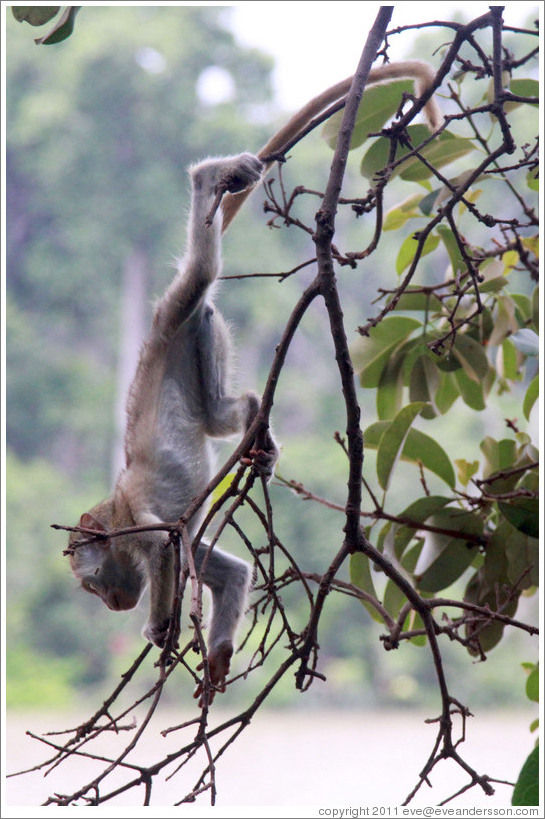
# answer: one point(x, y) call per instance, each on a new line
point(360, 576)
point(471, 392)
point(408, 250)
point(531, 397)
point(522, 88)
point(481, 327)
point(408, 209)
point(384, 537)
point(419, 511)
point(410, 558)
point(535, 307)
point(510, 260)
point(390, 389)
point(418, 301)
point(222, 487)
point(523, 514)
point(418, 448)
point(394, 598)
point(374, 433)
point(494, 280)
point(378, 104)
point(522, 553)
point(370, 353)
point(423, 383)
point(414, 622)
point(525, 88)
point(523, 307)
point(453, 249)
point(532, 179)
point(442, 150)
point(505, 321)
point(427, 203)
point(34, 15)
point(471, 356)
point(449, 565)
point(526, 790)
point(479, 592)
point(392, 441)
point(495, 569)
point(411, 351)
point(63, 28)
point(507, 451)
point(449, 363)
point(466, 470)
point(532, 684)
point(447, 392)
point(530, 479)
point(527, 341)
point(445, 557)
point(422, 508)
point(499, 455)
point(378, 154)
point(507, 363)
point(532, 244)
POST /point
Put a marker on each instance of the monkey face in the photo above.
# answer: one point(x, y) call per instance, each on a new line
point(117, 582)
point(104, 566)
point(108, 573)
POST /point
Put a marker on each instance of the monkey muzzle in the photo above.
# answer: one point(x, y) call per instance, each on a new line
point(119, 600)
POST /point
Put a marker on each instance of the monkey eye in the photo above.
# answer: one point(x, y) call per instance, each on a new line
point(88, 587)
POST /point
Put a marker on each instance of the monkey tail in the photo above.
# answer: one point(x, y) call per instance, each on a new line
point(423, 75)
point(420, 71)
point(232, 202)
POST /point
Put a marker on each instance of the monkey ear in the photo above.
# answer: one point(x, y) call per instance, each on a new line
point(87, 521)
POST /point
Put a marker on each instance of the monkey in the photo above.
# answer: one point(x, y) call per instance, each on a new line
point(180, 398)
point(178, 401)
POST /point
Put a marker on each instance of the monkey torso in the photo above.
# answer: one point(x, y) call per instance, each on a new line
point(169, 432)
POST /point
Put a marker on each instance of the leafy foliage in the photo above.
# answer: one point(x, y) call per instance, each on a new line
point(526, 790)
point(468, 332)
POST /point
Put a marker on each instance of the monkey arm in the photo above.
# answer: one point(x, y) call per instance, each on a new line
point(201, 263)
point(160, 570)
point(178, 316)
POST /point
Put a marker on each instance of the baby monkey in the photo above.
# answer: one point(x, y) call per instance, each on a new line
point(178, 401)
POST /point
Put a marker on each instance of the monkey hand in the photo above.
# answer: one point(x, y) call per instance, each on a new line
point(219, 663)
point(263, 458)
point(156, 633)
point(263, 462)
point(240, 172)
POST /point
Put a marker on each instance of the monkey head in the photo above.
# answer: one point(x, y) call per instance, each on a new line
point(104, 567)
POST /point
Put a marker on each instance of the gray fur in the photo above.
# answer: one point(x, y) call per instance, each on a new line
point(179, 399)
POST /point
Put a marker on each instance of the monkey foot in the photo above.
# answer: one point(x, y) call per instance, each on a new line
point(219, 663)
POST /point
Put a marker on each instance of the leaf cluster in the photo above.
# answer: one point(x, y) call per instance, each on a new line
point(463, 336)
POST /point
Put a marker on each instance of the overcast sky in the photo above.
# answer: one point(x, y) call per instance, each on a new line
point(299, 33)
